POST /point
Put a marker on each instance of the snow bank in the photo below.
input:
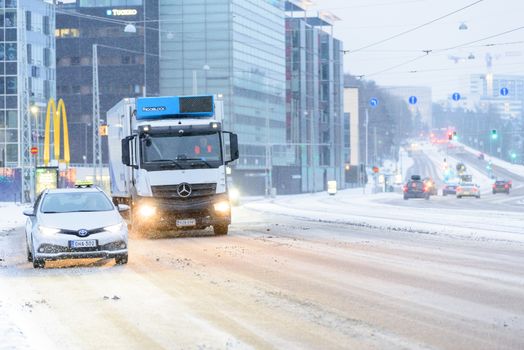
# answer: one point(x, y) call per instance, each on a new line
point(11, 216)
point(514, 168)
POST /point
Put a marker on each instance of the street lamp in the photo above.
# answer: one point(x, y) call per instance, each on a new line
point(205, 68)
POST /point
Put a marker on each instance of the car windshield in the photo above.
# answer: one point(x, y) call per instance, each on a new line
point(69, 202)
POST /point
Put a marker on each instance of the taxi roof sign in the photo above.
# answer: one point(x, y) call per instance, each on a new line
point(83, 183)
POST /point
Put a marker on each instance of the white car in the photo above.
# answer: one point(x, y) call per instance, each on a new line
point(75, 223)
point(468, 189)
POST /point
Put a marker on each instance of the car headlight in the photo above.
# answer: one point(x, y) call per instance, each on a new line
point(146, 210)
point(114, 228)
point(222, 207)
point(48, 230)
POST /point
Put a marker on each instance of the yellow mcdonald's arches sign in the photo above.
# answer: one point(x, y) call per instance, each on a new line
point(52, 110)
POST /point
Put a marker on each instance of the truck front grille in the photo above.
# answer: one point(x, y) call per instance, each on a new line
point(172, 191)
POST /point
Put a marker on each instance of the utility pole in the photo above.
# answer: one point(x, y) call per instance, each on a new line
point(367, 123)
point(97, 146)
point(25, 114)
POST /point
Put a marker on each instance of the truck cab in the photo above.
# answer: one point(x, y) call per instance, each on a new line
point(168, 159)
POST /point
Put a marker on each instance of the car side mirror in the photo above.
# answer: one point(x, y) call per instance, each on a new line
point(29, 212)
point(123, 207)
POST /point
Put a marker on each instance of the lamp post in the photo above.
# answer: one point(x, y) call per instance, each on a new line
point(205, 68)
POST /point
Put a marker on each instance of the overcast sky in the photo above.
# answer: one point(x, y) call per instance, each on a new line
point(364, 22)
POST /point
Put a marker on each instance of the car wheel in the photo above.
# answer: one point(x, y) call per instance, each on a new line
point(38, 263)
point(426, 197)
point(444, 194)
point(478, 197)
point(220, 230)
point(29, 255)
point(459, 197)
point(121, 259)
point(494, 192)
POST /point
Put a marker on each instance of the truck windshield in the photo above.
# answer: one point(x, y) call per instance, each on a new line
point(189, 151)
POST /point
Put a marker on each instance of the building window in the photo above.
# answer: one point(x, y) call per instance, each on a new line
point(75, 61)
point(10, 52)
point(10, 19)
point(67, 33)
point(28, 25)
point(47, 57)
point(46, 25)
point(10, 86)
point(29, 54)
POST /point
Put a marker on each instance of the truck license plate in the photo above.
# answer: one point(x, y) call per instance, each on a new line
point(186, 222)
point(83, 244)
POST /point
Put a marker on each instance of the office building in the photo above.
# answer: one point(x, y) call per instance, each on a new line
point(236, 49)
point(27, 81)
point(314, 97)
point(127, 61)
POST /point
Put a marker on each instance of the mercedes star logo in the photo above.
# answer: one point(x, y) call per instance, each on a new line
point(83, 232)
point(184, 190)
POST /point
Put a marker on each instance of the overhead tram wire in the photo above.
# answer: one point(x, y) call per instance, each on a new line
point(446, 49)
point(413, 29)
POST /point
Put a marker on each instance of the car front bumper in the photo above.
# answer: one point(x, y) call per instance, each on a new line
point(57, 246)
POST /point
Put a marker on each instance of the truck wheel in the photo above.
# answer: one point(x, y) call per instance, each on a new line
point(38, 263)
point(220, 230)
point(121, 259)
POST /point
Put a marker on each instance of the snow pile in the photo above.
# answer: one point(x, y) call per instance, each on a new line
point(514, 168)
point(11, 216)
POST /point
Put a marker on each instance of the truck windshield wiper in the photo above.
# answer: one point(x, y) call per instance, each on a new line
point(199, 159)
point(170, 161)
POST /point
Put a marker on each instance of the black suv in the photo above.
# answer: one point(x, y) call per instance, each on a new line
point(415, 188)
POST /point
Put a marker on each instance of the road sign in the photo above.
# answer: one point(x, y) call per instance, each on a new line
point(373, 102)
point(455, 96)
point(504, 91)
point(102, 130)
point(412, 100)
point(34, 150)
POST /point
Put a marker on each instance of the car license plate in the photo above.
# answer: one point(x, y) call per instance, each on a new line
point(467, 192)
point(83, 244)
point(185, 222)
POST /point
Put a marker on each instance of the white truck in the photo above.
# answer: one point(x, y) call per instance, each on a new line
point(167, 161)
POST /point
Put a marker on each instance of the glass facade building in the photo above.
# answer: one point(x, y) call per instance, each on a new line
point(235, 48)
point(314, 100)
point(127, 61)
point(27, 75)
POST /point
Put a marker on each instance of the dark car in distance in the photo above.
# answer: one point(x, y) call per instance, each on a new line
point(415, 188)
point(449, 188)
point(501, 186)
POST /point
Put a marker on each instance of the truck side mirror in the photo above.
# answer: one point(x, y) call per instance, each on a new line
point(126, 153)
point(233, 147)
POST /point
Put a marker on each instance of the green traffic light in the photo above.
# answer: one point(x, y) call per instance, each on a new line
point(513, 155)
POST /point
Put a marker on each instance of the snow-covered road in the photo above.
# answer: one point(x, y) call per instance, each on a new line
point(296, 272)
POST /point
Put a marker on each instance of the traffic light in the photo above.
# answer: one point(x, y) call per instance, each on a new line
point(513, 155)
point(455, 135)
point(494, 134)
point(450, 135)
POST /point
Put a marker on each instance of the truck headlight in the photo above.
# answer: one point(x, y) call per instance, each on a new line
point(48, 230)
point(222, 207)
point(234, 194)
point(146, 210)
point(114, 228)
